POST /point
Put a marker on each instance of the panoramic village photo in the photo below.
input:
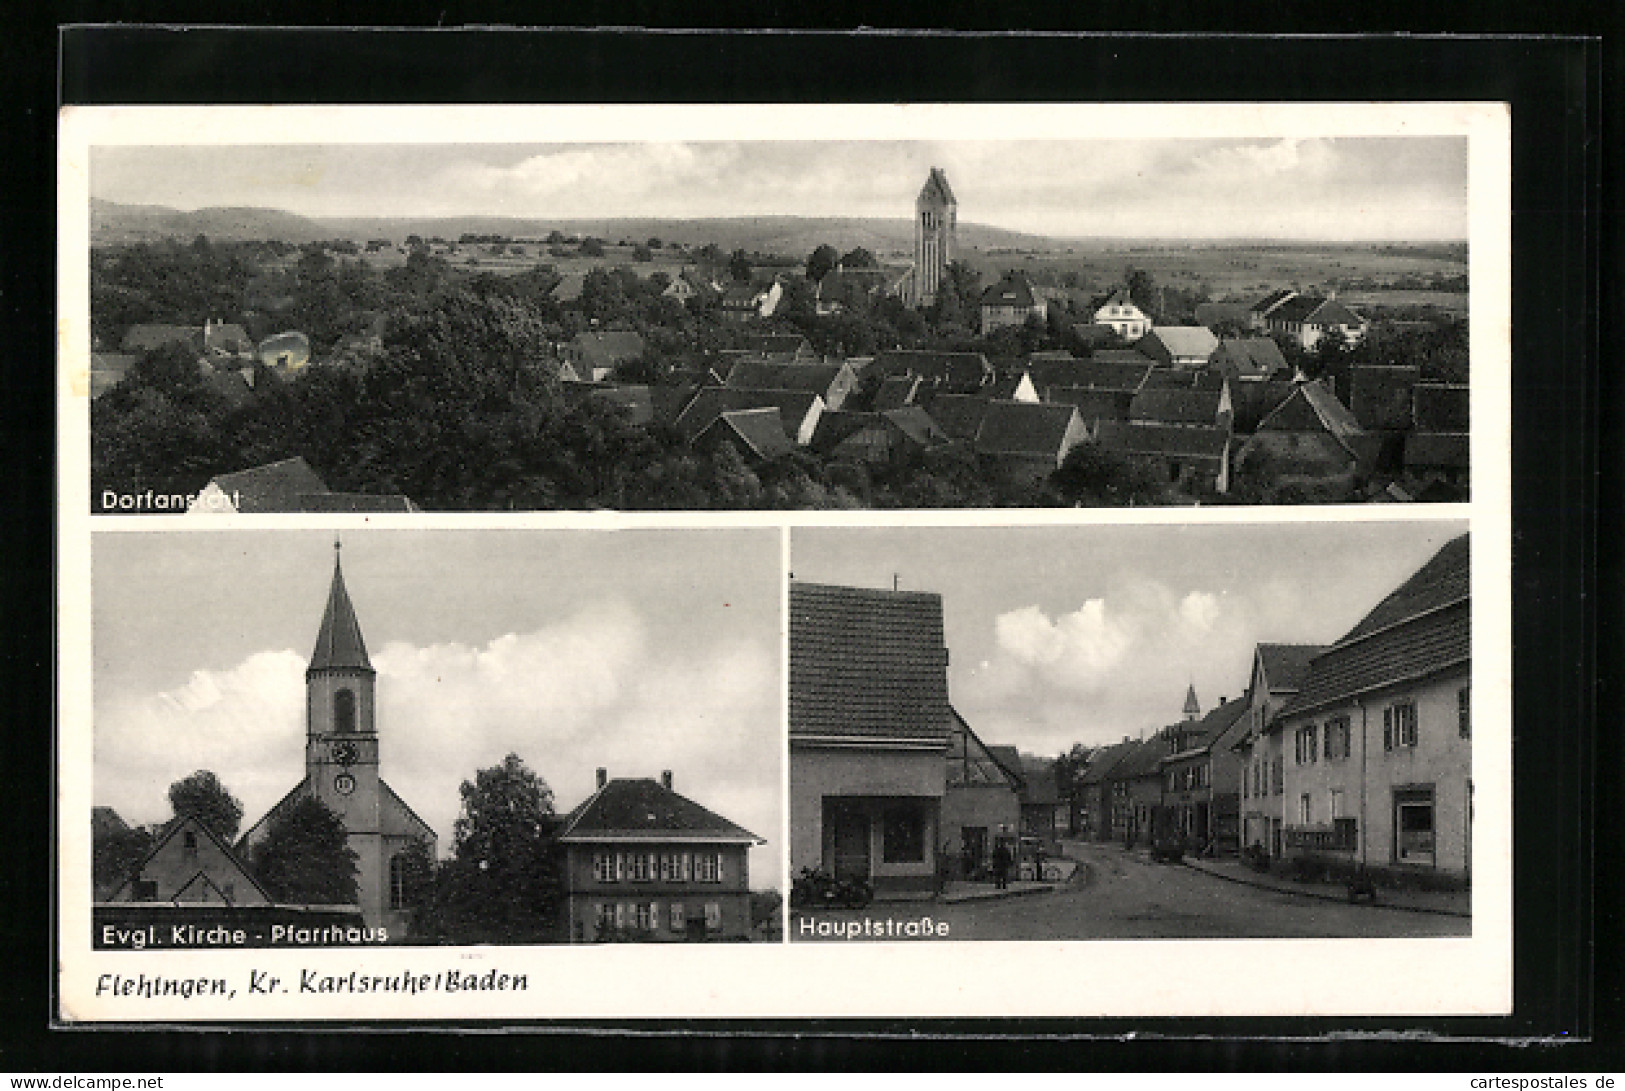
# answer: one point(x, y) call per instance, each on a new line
point(1131, 731)
point(778, 324)
point(436, 737)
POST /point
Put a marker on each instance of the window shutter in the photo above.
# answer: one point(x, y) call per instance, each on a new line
point(688, 867)
point(719, 867)
point(620, 914)
point(620, 866)
point(1388, 729)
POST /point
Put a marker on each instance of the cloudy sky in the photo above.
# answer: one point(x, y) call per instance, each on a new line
point(1058, 635)
point(637, 651)
point(1349, 188)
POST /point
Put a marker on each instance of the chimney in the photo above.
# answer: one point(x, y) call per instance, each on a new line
point(665, 779)
point(603, 777)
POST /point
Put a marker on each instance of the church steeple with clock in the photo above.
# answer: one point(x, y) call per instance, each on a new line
point(341, 765)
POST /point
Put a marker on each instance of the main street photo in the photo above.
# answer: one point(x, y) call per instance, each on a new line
point(435, 737)
point(1128, 731)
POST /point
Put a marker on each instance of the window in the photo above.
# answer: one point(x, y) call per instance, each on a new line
point(603, 867)
point(645, 916)
point(1303, 809)
point(1337, 738)
point(640, 867)
point(189, 843)
point(670, 867)
point(605, 916)
point(903, 836)
point(713, 916)
point(344, 711)
point(1337, 804)
point(1280, 775)
point(1399, 726)
point(1464, 712)
point(679, 919)
point(397, 881)
point(1413, 826)
point(708, 866)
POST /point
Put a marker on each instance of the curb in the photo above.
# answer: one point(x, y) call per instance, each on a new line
point(1326, 897)
point(995, 895)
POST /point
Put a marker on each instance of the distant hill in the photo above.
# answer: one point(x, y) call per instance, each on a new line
point(112, 223)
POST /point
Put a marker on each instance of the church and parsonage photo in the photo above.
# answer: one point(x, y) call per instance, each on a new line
point(345, 858)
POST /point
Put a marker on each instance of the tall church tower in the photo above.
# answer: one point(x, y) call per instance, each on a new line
point(936, 215)
point(1193, 707)
point(341, 736)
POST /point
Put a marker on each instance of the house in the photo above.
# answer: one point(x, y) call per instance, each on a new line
point(1308, 318)
point(981, 804)
point(1193, 456)
point(1377, 742)
point(107, 370)
point(1134, 789)
point(895, 392)
point(1253, 401)
point(1094, 797)
point(1436, 456)
point(190, 864)
point(289, 485)
point(1011, 302)
point(1091, 336)
point(757, 434)
point(1278, 674)
point(949, 372)
point(1380, 397)
point(1183, 407)
point(1029, 441)
point(1202, 781)
point(1179, 346)
point(793, 346)
point(644, 863)
point(287, 351)
point(831, 382)
point(878, 438)
point(226, 339)
point(342, 752)
point(567, 292)
point(1040, 799)
point(842, 289)
point(958, 415)
point(798, 410)
point(1119, 312)
point(595, 356)
point(746, 301)
point(1310, 435)
point(869, 734)
point(1091, 374)
point(1093, 405)
point(1249, 359)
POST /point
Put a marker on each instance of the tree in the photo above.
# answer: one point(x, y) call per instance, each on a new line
point(203, 797)
point(821, 261)
point(1142, 291)
point(306, 858)
point(642, 253)
point(592, 248)
point(1093, 476)
point(859, 258)
point(116, 851)
point(504, 880)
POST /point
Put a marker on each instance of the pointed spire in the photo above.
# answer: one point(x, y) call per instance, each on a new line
point(1193, 707)
point(339, 643)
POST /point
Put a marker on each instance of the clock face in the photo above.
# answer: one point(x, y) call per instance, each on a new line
point(345, 753)
point(344, 784)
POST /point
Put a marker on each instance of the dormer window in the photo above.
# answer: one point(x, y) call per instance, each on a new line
point(344, 711)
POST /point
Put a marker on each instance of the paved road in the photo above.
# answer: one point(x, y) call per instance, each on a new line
point(1119, 895)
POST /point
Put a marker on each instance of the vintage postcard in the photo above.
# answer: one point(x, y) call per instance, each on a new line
point(593, 562)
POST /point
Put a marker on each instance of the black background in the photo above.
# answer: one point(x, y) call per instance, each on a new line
point(1567, 915)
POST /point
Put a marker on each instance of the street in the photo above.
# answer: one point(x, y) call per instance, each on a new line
point(1122, 895)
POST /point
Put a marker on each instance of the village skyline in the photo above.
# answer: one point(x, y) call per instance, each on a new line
point(1354, 189)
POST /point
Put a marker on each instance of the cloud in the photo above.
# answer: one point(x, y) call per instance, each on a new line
point(1199, 610)
point(591, 690)
point(1077, 648)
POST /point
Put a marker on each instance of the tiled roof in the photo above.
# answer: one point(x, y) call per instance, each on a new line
point(1093, 405)
point(1167, 440)
point(895, 392)
point(793, 343)
point(1287, 665)
point(1225, 725)
point(1182, 342)
point(1143, 760)
point(1025, 428)
point(1121, 356)
point(1441, 407)
point(1252, 402)
point(625, 808)
point(1176, 406)
point(710, 402)
point(1184, 378)
point(834, 425)
point(1423, 627)
point(915, 423)
point(759, 429)
point(1273, 300)
point(569, 286)
point(1012, 290)
point(752, 375)
point(1437, 450)
point(338, 642)
point(1315, 309)
point(1380, 397)
point(1092, 373)
point(958, 415)
point(274, 487)
point(867, 664)
point(960, 369)
point(1104, 760)
point(1311, 406)
point(1251, 357)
